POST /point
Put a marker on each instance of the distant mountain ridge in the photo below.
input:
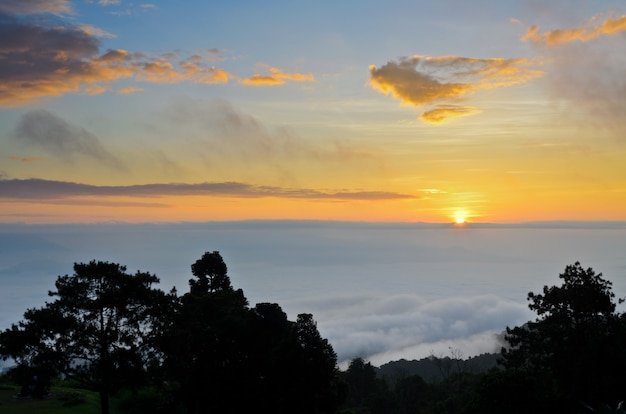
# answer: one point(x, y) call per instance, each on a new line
point(433, 369)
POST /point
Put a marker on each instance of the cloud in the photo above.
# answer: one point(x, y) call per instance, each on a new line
point(591, 29)
point(443, 112)
point(381, 328)
point(39, 60)
point(95, 31)
point(227, 133)
point(276, 77)
point(35, 6)
point(129, 89)
point(52, 133)
point(95, 89)
point(424, 81)
point(24, 159)
point(585, 77)
point(47, 189)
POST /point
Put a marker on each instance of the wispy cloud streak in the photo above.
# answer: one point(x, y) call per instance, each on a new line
point(47, 189)
point(276, 77)
point(52, 133)
point(591, 29)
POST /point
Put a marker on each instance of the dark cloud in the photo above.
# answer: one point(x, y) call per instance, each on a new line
point(46, 189)
point(43, 58)
point(38, 58)
point(46, 130)
point(35, 6)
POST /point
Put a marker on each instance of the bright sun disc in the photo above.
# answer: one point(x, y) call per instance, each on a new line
point(459, 218)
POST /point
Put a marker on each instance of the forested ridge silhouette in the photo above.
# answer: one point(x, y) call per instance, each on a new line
point(208, 350)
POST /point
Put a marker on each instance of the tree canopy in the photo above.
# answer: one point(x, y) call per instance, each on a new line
point(575, 345)
point(218, 349)
point(96, 331)
point(210, 351)
point(107, 328)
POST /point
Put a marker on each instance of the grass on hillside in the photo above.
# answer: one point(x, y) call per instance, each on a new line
point(61, 400)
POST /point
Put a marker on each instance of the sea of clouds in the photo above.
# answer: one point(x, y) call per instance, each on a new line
point(377, 290)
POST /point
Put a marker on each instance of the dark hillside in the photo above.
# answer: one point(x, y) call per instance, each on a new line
point(433, 369)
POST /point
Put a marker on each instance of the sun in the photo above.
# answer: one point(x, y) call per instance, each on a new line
point(460, 217)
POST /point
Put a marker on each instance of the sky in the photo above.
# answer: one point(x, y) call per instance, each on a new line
point(326, 149)
point(395, 111)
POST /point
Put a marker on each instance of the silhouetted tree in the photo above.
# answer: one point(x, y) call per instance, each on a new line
point(411, 394)
point(365, 392)
point(205, 347)
point(228, 358)
point(576, 342)
point(211, 274)
point(97, 330)
point(512, 391)
point(318, 363)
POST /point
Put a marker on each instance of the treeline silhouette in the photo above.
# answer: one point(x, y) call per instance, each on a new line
point(209, 351)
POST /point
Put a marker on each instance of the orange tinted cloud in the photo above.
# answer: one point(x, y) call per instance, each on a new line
point(405, 82)
point(591, 29)
point(260, 80)
point(422, 80)
point(129, 90)
point(39, 60)
point(95, 89)
point(276, 77)
point(444, 112)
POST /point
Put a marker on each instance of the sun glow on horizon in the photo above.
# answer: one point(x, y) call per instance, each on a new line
point(460, 217)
